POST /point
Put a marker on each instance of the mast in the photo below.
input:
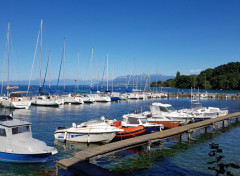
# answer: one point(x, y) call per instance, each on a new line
point(40, 76)
point(8, 51)
point(91, 66)
point(64, 64)
point(78, 70)
point(6, 57)
point(107, 71)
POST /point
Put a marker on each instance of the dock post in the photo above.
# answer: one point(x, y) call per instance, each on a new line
point(237, 119)
point(230, 121)
point(149, 146)
point(206, 130)
point(180, 137)
point(56, 170)
point(214, 127)
point(189, 135)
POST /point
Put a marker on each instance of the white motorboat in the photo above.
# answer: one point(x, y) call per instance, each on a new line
point(91, 132)
point(134, 120)
point(47, 100)
point(203, 113)
point(166, 110)
point(16, 100)
point(72, 99)
point(18, 145)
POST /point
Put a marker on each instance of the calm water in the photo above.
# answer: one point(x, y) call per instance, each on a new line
point(171, 157)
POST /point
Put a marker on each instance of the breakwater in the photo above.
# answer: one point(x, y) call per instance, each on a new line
point(204, 96)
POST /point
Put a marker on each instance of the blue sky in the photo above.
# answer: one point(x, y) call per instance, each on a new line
point(159, 36)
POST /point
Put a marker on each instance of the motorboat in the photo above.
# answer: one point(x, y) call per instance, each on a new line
point(72, 99)
point(86, 98)
point(47, 100)
point(16, 100)
point(167, 111)
point(128, 131)
point(18, 145)
point(134, 120)
point(95, 131)
point(154, 116)
point(203, 113)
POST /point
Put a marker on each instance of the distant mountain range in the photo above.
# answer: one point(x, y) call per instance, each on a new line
point(120, 80)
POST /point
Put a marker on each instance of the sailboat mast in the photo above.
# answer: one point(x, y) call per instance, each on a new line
point(91, 65)
point(40, 76)
point(78, 70)
point(8, 34)
point(64, 64)
point(107, 71)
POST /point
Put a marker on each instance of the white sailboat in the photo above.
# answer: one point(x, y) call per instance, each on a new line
point(14, 99)
point(41, 99)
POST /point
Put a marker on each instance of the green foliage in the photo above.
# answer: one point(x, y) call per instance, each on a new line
point(226, 77)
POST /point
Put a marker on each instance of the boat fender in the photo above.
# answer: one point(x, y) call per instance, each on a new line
point(74, 125)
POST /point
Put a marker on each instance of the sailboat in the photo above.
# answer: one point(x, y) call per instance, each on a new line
point(101, 97)
point(44, 99)
point(14, 99)
point(69, 98)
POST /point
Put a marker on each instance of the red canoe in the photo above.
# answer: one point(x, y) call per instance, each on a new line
point(129, 131)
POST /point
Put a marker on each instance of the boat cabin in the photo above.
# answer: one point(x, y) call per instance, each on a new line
point(135, 119)
point(159, 107)
point(13, 128)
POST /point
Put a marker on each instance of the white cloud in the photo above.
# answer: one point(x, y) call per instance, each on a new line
point(195, 71)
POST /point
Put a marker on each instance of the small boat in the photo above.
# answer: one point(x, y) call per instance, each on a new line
point(94, 131)
point(128, 131)
point(167, 111)
point(16, 100)
point(155, 117)
point(203, 113)
point(18, 145)
point(47, 100)
point(72, 99)
point(134, 120)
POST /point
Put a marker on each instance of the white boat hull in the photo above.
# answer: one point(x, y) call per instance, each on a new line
point(86, 137)
point(16, 104)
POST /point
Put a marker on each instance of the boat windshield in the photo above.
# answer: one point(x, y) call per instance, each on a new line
point(2, 132)
point(144, 121)
point(15, 95)
point(20, 129)
point(167, 109)
point(132, 120)
point(196, 106)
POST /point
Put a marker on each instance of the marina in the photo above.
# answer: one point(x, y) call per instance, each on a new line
point(50, 118)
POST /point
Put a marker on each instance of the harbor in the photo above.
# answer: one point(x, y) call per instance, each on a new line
point(45, 120)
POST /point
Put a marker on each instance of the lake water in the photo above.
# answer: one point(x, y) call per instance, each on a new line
point(171, 157)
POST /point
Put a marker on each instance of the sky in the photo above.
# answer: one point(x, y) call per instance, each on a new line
point(140, 36)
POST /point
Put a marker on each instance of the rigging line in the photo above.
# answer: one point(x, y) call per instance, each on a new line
point(34, 57)
point(46, 70)
point(103, 72)
point(60, 68)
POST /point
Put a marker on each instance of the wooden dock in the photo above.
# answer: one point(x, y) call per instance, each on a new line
point(99, 151)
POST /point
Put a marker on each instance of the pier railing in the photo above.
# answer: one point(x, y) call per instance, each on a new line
point(113, 147)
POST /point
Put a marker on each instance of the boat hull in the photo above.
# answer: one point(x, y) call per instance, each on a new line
point(24, 158)
point(166, 124)
point(86, 137)
point(16, 105)
point(131, 132)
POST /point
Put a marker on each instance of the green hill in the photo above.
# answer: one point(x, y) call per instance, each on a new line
point(226, 77)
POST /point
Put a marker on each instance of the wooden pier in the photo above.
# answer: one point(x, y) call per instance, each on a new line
point(97, 152)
